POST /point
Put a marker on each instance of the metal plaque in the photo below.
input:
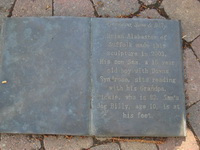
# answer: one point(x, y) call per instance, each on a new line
point(91, 76)
point(45, 76)
point(137, 78)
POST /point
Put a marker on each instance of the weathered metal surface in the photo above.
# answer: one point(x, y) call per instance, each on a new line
point(80, 76)
point(45, 63)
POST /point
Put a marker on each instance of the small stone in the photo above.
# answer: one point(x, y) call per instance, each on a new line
point(188, 12)
point(61, 142)
point(194, 118)
point(169, 144)
point(5, 6)
point(78, 8)
point(116, 8)
point(102, 139)
point(196, 46)
point(21, 142)
point(150, 14)
point(192, 67)
point(187, 143)
point(110, 146)
point(32, 8)
point(149, 2)
point(137, 146)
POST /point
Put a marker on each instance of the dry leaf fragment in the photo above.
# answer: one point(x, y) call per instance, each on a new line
point(4, 82)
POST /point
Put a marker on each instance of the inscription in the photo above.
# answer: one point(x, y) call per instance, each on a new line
point(157, 25)
point(137, 71)
point(127, 71)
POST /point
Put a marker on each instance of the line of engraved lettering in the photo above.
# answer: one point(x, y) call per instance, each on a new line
point(129, 115)
point(118, 106)
point(119, 62)
point(163, 80)
point(132, 36)
point(108, 97)
point(133, 25)
point(119, 44)
point(138, 45)
point(137, 25)
point(119, 24)
point(114, 79)
point(137, 79)
point(121, 53)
